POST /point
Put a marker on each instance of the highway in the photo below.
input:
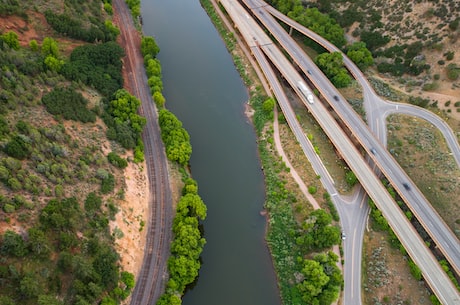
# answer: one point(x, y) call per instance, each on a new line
point(416, 248)
point(372, 102)
point(445, 239)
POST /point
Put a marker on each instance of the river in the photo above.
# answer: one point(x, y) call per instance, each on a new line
point(203, 89)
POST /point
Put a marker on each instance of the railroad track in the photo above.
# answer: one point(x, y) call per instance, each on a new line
point(152, 277)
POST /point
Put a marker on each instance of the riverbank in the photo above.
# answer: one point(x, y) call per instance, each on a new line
point(277, 168)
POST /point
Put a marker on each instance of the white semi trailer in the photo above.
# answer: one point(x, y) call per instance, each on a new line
point(305, 91)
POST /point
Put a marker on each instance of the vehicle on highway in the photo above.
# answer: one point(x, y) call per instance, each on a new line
point(373, 151)
point(306, 93)
point(309, 72)
point(406, 186)
point(343, 236)
point(336, 98)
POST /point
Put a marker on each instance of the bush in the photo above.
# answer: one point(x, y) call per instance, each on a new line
point(68, 103)
point(74, 28)
point(13, 244)
point(149, 47)
point(453, 71)
point(11, 39)
point(9, 208)
point(108, 184)
point(116, 160)
point(97, 65)
point(18, 148)
point(312, 189)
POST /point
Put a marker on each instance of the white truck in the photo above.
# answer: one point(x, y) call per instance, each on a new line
point(305, 91)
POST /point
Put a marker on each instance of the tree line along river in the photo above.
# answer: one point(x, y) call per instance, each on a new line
point(203, 89)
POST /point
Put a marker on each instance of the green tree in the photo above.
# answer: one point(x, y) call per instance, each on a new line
point(360, 55)
point(153, 67)
point(175, 137)
point(38, 243)
point(34, 45)
point(314, 282)
point(268, 105)
point(191, 205)
point(112, 28)
point(374, 39)
point(169, 299)
point(105, 264)
point(53, 63)
point(92, 203)
point(117, 160)
point(12, 244)
point(6, 300)
point(319, 23)
point(108, 301)
point(187, 239)
point(30, 286)
point(149, 47)
point(18, 147)
point(184, 269)
point(4, 173)
point(128, 279)
point(159, 99)
point(318, 233)
point(332, 65)
point(11, 39)
point(50, 47)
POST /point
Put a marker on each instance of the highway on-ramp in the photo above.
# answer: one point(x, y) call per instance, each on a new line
point(416, 248)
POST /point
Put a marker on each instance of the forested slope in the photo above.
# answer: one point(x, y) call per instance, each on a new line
point(67, 131)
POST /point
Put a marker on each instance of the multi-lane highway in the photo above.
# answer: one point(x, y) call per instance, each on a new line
point(445, 239)
point(433, 273)
point(377, 107)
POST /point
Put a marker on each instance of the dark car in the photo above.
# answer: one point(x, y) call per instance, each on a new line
point(406, 186)
point(336, 98)
point(373, 151)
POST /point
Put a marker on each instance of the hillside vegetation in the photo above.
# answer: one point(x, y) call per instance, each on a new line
point(67, 131)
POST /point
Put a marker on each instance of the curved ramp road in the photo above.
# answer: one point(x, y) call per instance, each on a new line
point(433, 273)
point(445, 239)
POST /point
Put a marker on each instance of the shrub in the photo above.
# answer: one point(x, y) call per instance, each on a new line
point(9, 208)
point(449, 55)
point(68, 103)
point(18, 148)
point(149, 46)
point(116, 160)
point(11, 39)
point(453, 71)
point(108, 184)
point(13, 244)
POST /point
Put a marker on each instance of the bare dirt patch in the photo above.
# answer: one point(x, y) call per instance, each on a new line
point(132, 219)
point(36, 28)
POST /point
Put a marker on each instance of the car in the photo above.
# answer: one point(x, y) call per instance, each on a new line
point(373, 151)
point(336, 98)
point(343, 236)
point(406, 186)
point(309, 72)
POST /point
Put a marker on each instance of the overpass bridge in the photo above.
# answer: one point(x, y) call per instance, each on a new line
point(414, 245)
point(428, 217)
